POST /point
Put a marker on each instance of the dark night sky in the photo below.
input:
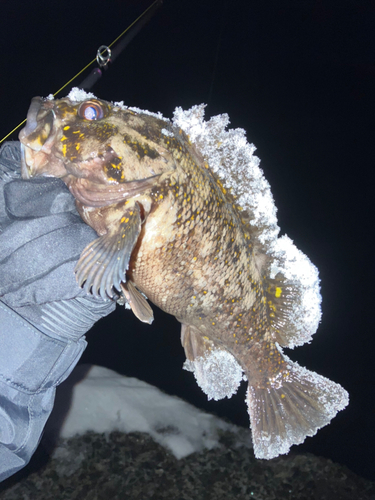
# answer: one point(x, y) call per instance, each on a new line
point(299, 77)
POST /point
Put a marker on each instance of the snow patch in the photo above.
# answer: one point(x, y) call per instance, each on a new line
point(103, 401)
point(79, 95)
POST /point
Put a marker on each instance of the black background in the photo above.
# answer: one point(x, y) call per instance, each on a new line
point(299, 77)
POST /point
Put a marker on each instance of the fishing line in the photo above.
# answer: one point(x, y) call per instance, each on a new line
point(105, 55)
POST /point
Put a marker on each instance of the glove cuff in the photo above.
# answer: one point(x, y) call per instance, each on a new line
point(31, 361)
point(73, 318)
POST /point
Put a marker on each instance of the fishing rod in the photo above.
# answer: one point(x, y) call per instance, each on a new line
point(105, 55)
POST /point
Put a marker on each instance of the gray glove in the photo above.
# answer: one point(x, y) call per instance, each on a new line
point(43, 312)
point(41, 238)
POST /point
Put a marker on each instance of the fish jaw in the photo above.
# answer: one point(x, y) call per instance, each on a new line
point(37, 141)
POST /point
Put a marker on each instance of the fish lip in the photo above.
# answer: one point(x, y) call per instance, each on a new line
point(37, 137)
point(40, 115)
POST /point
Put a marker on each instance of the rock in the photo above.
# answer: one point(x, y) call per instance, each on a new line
point(122, 466)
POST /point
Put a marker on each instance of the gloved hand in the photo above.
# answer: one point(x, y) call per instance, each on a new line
point(43, 312)
point(41, 238)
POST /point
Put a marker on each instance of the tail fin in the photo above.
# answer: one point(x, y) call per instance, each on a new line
point(285, 414)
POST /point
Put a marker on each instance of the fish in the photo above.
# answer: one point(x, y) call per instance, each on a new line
point(186, 220)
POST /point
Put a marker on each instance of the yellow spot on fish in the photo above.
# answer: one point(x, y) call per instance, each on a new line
point(278, 292)
point(282, 396)
point(67, 127)
point(161, 197)
point(122, 220)
point(223, 190)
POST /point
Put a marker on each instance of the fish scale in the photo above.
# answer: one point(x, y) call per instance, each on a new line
point(170, 229)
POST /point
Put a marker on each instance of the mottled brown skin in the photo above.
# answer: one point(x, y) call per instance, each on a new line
point(194, 257)
point(199, 264)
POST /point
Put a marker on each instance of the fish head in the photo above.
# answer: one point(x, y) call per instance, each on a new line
point(94, 146)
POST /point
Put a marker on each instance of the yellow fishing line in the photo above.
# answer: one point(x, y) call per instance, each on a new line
point(89, 64)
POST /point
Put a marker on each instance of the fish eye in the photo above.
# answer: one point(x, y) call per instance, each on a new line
point(91, 110)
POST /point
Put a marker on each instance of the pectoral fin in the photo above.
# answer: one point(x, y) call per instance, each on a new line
point(104, 262)
point(137, 302)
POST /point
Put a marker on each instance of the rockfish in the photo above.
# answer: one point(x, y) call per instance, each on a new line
point(185, 218)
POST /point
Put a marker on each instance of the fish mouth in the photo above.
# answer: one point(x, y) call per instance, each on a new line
point(39, 124)
point(37, 139)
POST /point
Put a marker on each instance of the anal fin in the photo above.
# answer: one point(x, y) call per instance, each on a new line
point(139, 305)
point(216, 370)
point(104, 262)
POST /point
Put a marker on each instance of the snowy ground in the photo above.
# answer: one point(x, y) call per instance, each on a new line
point(159, 463)
point(97, 399)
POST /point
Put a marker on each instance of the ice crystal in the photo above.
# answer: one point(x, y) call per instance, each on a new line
point(79, 95)
point(218, 374)
point(297, 269)
point(232, 158)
